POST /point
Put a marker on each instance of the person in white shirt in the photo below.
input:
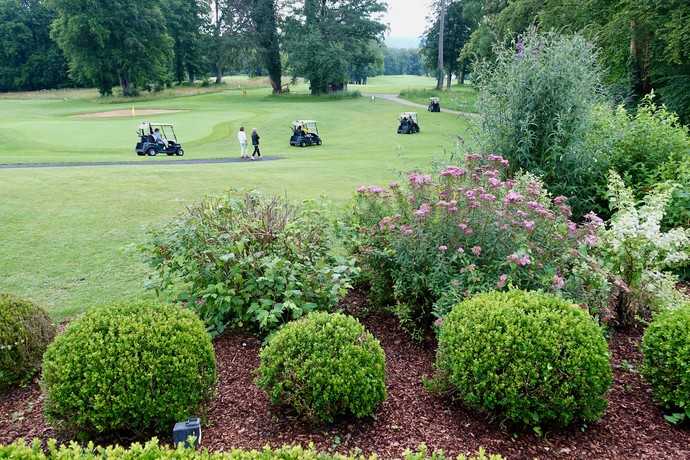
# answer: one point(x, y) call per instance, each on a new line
point(242, 138)
point(157, 137)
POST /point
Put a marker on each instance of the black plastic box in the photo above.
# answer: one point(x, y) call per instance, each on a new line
point(183, 430)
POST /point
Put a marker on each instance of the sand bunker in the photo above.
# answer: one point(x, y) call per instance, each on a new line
point(127, 113)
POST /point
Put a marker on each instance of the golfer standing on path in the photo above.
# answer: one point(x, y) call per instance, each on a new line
point(255, 143)
point(242, 138)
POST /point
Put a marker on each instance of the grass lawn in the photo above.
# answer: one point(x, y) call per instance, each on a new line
point(462, 98)
point(69, 234)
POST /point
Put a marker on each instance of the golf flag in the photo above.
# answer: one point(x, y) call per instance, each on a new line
point(133, 113)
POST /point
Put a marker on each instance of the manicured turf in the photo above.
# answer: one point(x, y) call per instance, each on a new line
point(69, 235)
point(462, 98)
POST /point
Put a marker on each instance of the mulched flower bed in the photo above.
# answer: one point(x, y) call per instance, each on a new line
point(240, 416)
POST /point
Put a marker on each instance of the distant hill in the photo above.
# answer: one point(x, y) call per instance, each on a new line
point(402, 42)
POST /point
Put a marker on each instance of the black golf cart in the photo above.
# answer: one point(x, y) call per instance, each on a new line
point(304, 133)
point(408, 123)
point(434, 104)
point(167, 143)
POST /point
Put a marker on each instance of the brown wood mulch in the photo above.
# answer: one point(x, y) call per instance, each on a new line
point(240, 416)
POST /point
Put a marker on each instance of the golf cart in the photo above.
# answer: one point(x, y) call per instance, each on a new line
point(147, 144)
point(434, 104)
point(304, 133)
point(408, 123)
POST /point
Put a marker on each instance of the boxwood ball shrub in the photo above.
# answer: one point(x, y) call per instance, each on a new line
point(130, 367)
point(527, 357)
point(323, 366)
point(25, 332)
point(666, 348)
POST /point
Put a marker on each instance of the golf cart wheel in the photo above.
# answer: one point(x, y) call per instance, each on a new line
point(318, 142)
point(301, 144)
point(180, 153)
point(151, 152)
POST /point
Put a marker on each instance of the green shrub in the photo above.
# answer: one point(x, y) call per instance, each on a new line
point(253, 262)
point(131, 368)
point(536, 101)
point(25, 332)
point(153, 450)
point(647, 148)
point(666, 348)
point(531, 358)
point(323, 366)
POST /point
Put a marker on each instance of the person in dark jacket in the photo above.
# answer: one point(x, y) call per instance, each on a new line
point(255, 143)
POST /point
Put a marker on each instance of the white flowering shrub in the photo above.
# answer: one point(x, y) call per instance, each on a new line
point(639, 254)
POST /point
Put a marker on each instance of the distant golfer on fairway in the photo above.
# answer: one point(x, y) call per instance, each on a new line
point(255, 143)
point(242, 138)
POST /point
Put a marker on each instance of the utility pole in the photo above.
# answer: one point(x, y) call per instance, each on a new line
point(441, 27)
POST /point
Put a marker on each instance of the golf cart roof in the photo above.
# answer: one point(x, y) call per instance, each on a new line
point(434, 99)
point(412, 115)
point(304, 123)
point(148, 123)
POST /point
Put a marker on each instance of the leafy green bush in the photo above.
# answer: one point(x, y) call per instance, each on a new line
point(25, 332)
point(253, 262)
point(153, 450)
point(323, 366)
point(666, 348)
point(532, 358)
point(647, 148)
point(536, 103)
point(129, 368)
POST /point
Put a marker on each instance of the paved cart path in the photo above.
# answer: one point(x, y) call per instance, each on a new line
point(146, 162)
point(398, 100)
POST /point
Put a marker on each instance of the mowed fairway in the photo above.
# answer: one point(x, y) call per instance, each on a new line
point(69, 235)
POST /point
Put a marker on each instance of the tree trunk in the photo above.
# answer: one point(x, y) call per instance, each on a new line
point(217, 37)
point(461, 77)
point(219, 73)
point(639, 73)
point(449, 80)
point(441, 27)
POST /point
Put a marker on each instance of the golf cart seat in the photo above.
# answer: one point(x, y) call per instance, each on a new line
point(434, 104)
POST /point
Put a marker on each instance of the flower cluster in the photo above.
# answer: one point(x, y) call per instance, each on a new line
point(468, 229)
point(639, 253)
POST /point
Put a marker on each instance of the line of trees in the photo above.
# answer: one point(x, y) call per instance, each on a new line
point(642, 43)
point(137, 44)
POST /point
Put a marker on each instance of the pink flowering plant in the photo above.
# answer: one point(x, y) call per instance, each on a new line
point(438, 239)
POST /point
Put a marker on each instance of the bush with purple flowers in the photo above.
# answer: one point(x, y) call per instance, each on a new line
point(439, 239)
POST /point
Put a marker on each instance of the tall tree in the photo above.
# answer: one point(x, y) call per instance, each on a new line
point(228, 35)
point(29, 59)
point(265, 21)
point(457, 33)
point(113, 41)
point(440, 43)
point(186, 21)
point(325, 35)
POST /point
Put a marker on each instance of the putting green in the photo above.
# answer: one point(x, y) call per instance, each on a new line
point(69, 234)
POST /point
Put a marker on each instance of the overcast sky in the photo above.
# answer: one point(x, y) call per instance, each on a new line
point(407, 18)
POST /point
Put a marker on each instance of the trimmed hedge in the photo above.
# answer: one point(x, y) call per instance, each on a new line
point(153, 450)
point(666, 348)
point(25, 332)
point(131, 368)
point(323, 366)
point(528, 357)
